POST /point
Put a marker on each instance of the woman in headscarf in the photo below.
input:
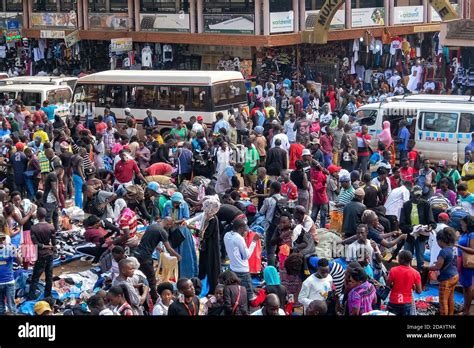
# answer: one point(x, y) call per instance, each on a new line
point(386, 138)
point(178, 210)
point(273, 284)
point(209, 256)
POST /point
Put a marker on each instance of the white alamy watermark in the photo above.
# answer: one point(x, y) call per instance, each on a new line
point(37, 331)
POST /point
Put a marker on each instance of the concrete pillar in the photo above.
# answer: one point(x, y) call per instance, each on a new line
point(266, 17)
point(348, 14)
point(192, 16)
point(302, 15)
point(258, 17)
point(137, 15)
point(296, 16)
point(85, 12)
point(426, 12)
point(26, 15)
point(389, 11)
point(131, 16)
point(200, 16)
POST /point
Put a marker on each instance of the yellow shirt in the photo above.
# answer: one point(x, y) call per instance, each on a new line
point(468, 169)
point(42, 134)
point(159, 139)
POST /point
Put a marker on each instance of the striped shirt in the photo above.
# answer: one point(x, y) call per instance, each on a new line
point(86, 159)
point(345, 197)
point(128, 220)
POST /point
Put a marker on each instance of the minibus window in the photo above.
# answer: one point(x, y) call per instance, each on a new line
point(467, 123)
point(30, 98)
point(439, 121)
point(367, 117)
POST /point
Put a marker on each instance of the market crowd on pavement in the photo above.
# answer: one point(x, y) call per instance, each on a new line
point(281, 209)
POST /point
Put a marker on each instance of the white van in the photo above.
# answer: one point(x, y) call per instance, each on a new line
point(431, 98)
point(35, 94)
point(41, 80)
point(443, 131)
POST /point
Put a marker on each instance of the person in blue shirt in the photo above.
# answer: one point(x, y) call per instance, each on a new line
point(49, 110)
point(8, 254)
point(469, 148)
point(109, 116)
point(220, 123)
point(4, 131)
point(403, 138)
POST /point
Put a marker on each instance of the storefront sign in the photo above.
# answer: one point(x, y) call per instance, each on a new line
point(338, 22)
point(426, 28)
point(13, 24)
point(435, 17)
point(408, 14)
point(175, 22)
point(12, 35)
point(59, 20)
point(243, 52)
point(229, 23)
point(71, 39)
point(444, 8)
point(112, 21)
point(52, 34)
point(281, 22)
point(121, 45)
point(368, 17)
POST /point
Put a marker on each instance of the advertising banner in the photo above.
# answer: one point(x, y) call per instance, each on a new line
point(338, 22)
point(52, 34)
point(281, 22)
point(229, 23)
point(58, 20)
point(408, 14)
point(9, 21)
point(12, 35)
point(435, 15)
point(111, 21)
point(368, 17)
point(174, 22)
point(121, 45)
point(71, 39)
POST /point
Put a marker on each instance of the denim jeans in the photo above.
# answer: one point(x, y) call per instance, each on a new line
point(324, 209)
point(30, 185)
point(52, 215)
point(43, 264)
point(7, 295)
point(400, 309)
point(246, 282)
point(78, 182)
point(417, 248)
point(362, 165)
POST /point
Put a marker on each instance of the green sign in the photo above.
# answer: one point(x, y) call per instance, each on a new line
point(12, 35)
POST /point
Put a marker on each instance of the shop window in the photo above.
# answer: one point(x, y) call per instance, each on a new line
point(408, 2)
point(118, 6)
point(281, 5)
point(312, 5)
point(439, 122)
point(14, 6)
point(467, 123)
point(164, 6)
point(97, 6)
point(45, 5)
point(229, 6)
point(67, 5)
point(367, 3)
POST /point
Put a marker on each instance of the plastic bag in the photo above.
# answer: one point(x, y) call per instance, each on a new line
point(75, 214)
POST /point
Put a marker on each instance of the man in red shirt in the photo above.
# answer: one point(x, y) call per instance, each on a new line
point(403, 279)
point(124, 170)
point(327, 145)
point(320, 197)
point(101, 126)
point(288, 188)
point(160, 168)
point(406, 172)
point(296, 152)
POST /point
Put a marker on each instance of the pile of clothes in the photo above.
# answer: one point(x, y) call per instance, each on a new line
point(67, 243)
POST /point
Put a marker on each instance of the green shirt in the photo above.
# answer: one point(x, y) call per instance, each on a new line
point(455, 176)
point(15, 127)
point(415, 219)
point(251, 159)
point(179, 134)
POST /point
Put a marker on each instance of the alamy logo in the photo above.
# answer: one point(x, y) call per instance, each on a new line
point(37, 331)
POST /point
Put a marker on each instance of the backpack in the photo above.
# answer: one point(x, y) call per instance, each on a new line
point(455, 216)
point(282, 207)
point(421, 181)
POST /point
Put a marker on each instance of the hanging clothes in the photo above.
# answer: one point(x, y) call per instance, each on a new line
point(255, 260)
point(147, 57)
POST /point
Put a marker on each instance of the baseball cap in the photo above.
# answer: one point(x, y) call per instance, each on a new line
point(417, 190)
point(20, 146)
point(41, 307)
point(127, 110)
point(443, 216)
point(345, 178)
point(306, 152)
point(200, 118)
point(443, 163)
point(333, 169)
point(251, 209)
point(154, 186)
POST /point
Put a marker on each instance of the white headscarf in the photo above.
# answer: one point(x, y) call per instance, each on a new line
point(120, 205)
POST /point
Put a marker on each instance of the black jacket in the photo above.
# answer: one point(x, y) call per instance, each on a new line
point(425, 215)
point(276, 161)
point(352, 216)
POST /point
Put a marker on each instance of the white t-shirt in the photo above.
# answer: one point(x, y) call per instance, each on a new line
point(395, 201)
point(326, 118)
point(355, 251)
point(315, 289)
point(433, 244)
point(260, 312)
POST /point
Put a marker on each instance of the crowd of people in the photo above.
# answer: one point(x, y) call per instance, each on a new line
point(245, 206)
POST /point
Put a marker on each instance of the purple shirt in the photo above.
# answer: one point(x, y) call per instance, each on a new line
point(362, 297)
point(450, 196)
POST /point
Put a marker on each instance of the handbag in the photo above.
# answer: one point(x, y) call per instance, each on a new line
point(176, 237)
